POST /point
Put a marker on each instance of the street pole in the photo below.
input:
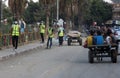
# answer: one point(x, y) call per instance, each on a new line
point(0, 23)
point(0, 13)
point(57, 10)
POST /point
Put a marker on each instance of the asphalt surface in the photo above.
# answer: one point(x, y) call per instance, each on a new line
point(58, 62)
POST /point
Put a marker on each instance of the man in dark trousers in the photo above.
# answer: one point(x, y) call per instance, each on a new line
point(15, 32)
point(61, 35)
point(42, 31)
point(50, 33)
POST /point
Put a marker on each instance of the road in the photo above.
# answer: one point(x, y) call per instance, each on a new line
point(58, 62)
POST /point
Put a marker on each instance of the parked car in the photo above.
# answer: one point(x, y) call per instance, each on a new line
point(74, 36)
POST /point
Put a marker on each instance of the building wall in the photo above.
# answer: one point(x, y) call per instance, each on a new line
point(116, 11)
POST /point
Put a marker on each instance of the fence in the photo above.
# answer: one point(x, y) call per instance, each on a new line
point(6, 39)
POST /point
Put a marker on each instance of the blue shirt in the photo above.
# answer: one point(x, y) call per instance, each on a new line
point(98, 40)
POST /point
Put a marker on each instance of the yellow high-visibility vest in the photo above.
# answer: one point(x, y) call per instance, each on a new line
point(42, 28)
point(15, 31)
point(50, 33)
point(61, 33)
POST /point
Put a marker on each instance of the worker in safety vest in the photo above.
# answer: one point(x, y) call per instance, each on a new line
point(42, 31)
point(50, 33)
point(60, 35)
point(15, 32)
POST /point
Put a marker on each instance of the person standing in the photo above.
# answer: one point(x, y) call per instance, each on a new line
point(15, 32)
point(60, 35)
point(22, 30)
point(42, 31)
point(22, 26)
point(50, 36)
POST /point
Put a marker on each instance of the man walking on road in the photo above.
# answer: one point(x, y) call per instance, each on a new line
point(42, 31)
point(50, 33)
point(15, 32)
point(60, 35)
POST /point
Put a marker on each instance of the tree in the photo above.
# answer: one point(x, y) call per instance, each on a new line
point(100, 11)
point(47, 4)
point(17, 7)
point(84, 11)
point(33, 13)
point(6, 12)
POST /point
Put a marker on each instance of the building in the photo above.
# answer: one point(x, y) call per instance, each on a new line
point(116, 11)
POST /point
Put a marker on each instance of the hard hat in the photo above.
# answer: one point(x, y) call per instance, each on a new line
point(16, 22)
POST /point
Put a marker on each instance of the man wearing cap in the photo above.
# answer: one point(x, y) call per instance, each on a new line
point(15, 32)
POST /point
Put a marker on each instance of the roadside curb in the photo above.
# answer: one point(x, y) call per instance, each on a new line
point(13, 54)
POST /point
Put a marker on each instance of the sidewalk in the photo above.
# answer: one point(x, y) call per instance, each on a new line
point(7, 53)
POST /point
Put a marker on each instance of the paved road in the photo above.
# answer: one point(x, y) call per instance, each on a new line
point(58, 62)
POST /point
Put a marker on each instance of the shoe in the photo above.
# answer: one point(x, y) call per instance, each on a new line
point(46, 48)
point(42, 42)
point(13, 48)
point(50, 47)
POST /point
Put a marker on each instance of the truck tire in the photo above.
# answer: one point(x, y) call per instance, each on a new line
point(90, 56)
point(80, 42)
point(69, 41)
point(114, 56)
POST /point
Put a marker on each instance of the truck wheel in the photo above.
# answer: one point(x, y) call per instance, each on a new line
point(90, 55)
point(114, 56)
point(69, 42)
point(80, 41)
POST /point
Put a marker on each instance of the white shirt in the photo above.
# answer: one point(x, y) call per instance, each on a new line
point(108, 39)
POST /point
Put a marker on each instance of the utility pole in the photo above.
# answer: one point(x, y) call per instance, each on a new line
point(0, 22)
point(0, 12)
point(57, 10)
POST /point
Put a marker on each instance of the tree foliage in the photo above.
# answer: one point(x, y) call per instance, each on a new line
point(84, 11)
point(33, 12)
point(100, 11)
point(17, 7)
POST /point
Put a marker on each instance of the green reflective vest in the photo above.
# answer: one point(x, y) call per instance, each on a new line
point(61, 33)
point(50, 33)
point(15, 31)
point(42, 28)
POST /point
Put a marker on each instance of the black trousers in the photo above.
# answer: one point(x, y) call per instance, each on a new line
point(42, 37)
point(15, 41)
point(60, 40)
point(49, 42)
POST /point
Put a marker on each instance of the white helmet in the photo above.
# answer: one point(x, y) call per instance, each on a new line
point(16, 22)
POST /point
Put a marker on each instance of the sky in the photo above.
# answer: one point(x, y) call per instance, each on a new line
point(108, 1)
point(6, 1)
